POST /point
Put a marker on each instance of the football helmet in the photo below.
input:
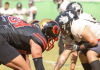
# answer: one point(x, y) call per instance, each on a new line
point(65, 21)
point(51, 31)
point(19, 5)
point(34, 23)
point(72, 13)
point(75, 6)
point(30, 3)
point(58, 1)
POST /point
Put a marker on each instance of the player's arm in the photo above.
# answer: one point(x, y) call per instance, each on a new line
point(62, 58)
point(36, 52)
point(74, 56)
point(89, 37)
point(34, 14)
point(27, 60)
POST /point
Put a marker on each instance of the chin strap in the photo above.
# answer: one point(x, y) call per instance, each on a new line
point(51, 45)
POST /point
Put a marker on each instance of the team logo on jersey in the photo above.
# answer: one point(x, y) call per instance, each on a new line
point(55, 29)
point(63, 19)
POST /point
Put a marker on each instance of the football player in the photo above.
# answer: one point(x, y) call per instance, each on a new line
point(16, 34)
point(82, 15)
point(61, 7)
point(19, 11)
point(86, 33)
point(78, 8)
point(32, 11)
point(6, 11)
point(67, 40)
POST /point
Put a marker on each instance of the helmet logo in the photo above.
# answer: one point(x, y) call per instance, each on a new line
point(70, 14)
point(63, 19)
point(55, 29)
point(77, 6)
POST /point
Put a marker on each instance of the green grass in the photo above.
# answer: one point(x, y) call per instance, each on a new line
point(48, 58)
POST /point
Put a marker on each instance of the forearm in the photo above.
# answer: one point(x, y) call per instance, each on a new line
point(60, 62)
point(74, 56)
point(86, 46)
point(62, 59)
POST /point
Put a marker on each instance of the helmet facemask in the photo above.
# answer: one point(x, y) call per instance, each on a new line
point(51, 44)
point(67, 28)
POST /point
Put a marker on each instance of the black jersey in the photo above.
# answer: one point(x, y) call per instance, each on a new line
point(18, 33)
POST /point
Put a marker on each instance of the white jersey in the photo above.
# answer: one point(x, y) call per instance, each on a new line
point(83, 16)
point(30, 13)
point(79, 25)
point(7, 12)
point(87, 16)
point(63, 6)
point(19, 13)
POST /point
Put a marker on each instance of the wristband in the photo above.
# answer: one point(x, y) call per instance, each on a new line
point(87, 45)
point(38, 63)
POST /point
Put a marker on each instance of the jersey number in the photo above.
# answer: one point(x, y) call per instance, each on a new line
point(17, 22)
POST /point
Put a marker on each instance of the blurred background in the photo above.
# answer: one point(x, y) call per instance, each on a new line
point(48, 9)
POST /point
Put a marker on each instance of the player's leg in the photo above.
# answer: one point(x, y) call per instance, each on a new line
point(18, 63)
point(74, 56)
point(27, 60)
point(93, 57)
point(84, 60)
point(26, 57)
point(9, 56)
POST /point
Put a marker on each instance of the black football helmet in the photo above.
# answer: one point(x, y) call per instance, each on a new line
point(75, 6)
point(65, 21)
point(19, 5)
point(72, 13)
point(51, 31)
point(58, 1)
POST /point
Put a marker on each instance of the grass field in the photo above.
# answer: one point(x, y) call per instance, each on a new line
point(49, 58)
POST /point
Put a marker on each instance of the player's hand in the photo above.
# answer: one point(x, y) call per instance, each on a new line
point(74, 48)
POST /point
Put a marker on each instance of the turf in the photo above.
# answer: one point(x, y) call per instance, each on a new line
point(49, 58)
